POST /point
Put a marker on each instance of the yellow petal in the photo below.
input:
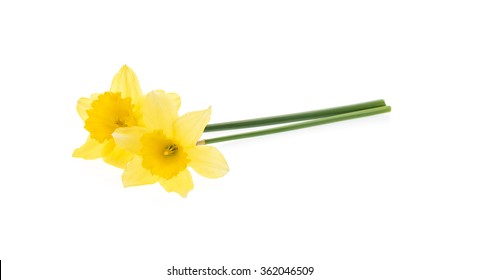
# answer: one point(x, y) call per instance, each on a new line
point(136, 175)
point(92, 149)
point(207, 161)
point(128, 138)
point(126, 82)
point(84, 104)
point(115, 155)
point(175, 98)
point(189, 127)
point(181, 183)
point(159, 112)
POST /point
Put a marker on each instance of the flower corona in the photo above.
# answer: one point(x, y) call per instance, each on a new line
point(109, 112)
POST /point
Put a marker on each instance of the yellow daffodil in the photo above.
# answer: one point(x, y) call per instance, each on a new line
point(167, 145)
point(103, 113)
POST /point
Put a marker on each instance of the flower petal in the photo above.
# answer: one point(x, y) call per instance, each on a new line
point(115, 155)
point(207, 161)
point(84, 104)
point(136, 175)
point(189, 127)
point(181, 183)
point(175, 98)
point(160, 111)
point(128, 138)
point(92, 149)
point(126, 82)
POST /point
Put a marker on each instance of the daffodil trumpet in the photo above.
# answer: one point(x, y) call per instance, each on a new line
point(300, 125)
point(302, 116)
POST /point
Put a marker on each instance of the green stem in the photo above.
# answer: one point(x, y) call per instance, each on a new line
point(294, 117)
point(305, 124)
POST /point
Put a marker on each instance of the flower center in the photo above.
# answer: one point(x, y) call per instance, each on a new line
point(109, 112)
point(170, 150)
point(121, 123)
point(162, 156)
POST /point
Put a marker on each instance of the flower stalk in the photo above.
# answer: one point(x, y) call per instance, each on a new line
point(300, 125)
point(303, 116)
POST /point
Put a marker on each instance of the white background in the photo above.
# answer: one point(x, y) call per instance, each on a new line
point(387, 197)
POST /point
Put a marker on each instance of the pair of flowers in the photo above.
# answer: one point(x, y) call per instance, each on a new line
point(144, 135)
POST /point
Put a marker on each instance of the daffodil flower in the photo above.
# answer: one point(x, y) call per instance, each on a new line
point(103, 113)
point(167, 145)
